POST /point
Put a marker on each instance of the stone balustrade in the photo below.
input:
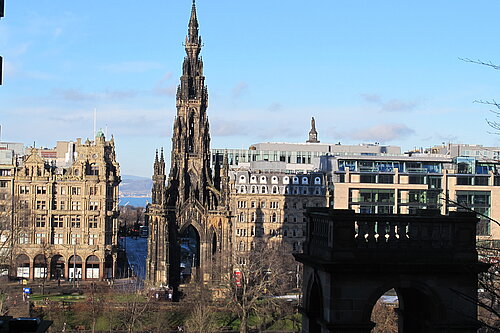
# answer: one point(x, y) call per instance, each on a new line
point(343, 234)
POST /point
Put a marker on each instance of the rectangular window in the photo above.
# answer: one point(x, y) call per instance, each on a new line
point(76, 221)
point(463, 180)
point(62, 205)
point(41, 205)
point(92, 239)
point(39, 238)
point(93, 222)
point(386, 179)
point(57, 221)
point(367, 178)
point(94, 205)
point(416, 179)
point(62, 190)
point(58, 239)
point(24, 189)
point(76, 190)
point(93, 190)
point(23, 238)
point(5, 172)
point(41, 190)
point(481, 181)
point(434, 182)
point(40, 221)
point(4, 183)
point(75, 239)
point(76, 205)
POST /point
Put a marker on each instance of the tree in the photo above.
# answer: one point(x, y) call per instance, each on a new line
point(385, 318)
point(202, 314)
point(15, 217)
point(258, 277)
point(494, 124)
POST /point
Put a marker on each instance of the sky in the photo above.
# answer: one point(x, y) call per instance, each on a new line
point(368, 71)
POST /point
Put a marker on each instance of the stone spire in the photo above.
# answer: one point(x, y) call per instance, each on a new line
point(313, 134)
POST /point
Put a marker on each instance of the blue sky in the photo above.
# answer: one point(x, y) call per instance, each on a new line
point(368, 71)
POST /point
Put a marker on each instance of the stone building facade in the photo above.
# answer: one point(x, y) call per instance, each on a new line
point(270, 207)
point(59, 210)
point(191, 209)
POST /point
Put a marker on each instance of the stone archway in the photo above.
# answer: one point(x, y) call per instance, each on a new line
point(190, 254)
point(23, 264)
point(57, 267)
point(40, 267)
point(75, 266)
point(314, 306)
point(92, 268)
point(430, 260)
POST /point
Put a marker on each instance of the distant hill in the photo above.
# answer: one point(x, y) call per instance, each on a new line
point(135, 186)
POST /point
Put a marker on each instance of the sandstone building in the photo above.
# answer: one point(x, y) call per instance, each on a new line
point(59, 210)
point(271, 206)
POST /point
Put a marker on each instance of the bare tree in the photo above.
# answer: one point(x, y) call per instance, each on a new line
point(201, 318)
point(494, 124)
point(385, 318)
point(134, 307)
point(259, 276)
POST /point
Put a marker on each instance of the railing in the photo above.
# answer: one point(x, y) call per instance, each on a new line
point(336, 232)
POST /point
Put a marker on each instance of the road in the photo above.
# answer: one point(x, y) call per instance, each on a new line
point(137, 251)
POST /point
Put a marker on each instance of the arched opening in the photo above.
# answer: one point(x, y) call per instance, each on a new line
point(23, 266)
point(40, 267)
point(75, 267)
point(92, 267)
point(57, 267)
point(314, 307)
point(190, 254)
point(385, 313)
point(191, 133)
point(214, 243)
point(408, 310)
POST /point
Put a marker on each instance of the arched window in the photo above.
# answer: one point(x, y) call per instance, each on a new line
point(317, 181)
point(305, 180)
point(253, 179)
point(295, 180)
point(275, 189)
point(243, 179)
point(191, 133)
point(263, 189)
point(274, 180)
point(286, 180)
point(243, 189)
point(254, 189)
point(263, 179)
point(273, 218)
point(92, 267)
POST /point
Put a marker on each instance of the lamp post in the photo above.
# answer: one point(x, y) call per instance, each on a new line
point(74, 263)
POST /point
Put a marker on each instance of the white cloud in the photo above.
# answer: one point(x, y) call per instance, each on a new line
point(393, 105)
point(239, 89)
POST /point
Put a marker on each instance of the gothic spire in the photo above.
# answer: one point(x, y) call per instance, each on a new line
point(193, 40)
